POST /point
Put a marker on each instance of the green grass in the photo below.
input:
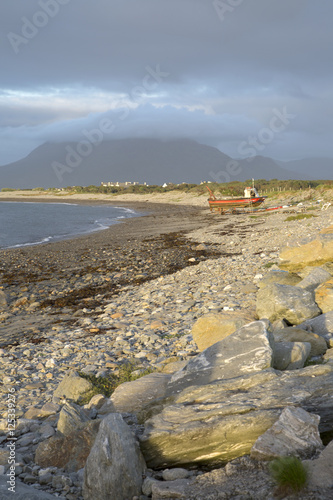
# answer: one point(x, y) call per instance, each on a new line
point(270, 264)
point(289, 473)
point(107, 385)
point(299, 217)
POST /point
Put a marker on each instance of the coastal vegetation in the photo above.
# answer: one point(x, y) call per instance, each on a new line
point(290, 474)
point(270, 188)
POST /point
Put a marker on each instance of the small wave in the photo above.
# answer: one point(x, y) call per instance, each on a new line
point(44, 240)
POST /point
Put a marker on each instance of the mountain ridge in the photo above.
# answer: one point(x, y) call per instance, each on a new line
point(152, 161)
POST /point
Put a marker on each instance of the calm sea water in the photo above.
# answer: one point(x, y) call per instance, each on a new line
point(23, 224)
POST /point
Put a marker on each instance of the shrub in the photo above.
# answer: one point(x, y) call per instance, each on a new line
point(289, 473)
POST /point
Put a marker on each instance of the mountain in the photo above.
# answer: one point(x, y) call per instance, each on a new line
point(317, 168)
point(142, 160)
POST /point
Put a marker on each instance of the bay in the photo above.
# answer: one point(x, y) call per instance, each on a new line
point(33, 223)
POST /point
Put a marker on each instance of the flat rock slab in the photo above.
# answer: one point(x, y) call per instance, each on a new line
point(292, 303)
point(295, 433)
point(215, 423)
point(247, 350)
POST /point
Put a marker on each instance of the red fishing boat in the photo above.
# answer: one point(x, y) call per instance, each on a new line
point(250, 200)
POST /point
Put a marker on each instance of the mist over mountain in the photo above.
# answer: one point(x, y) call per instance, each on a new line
point(144, 160)
point(313, 168)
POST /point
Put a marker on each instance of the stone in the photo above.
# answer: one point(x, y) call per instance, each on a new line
point(147, 486)
point(321, 325)
point(96, 401)
point(247, 350)
point(173, 474)
point(286, 302)
point(281, 277)
point(314, 253)
point(74, 388)
point(324, 296)
point(22, 491)
point(68, 452)
point(296, 334)
point(212, 328)
point(133, 397)
point(316, 277)
point(170, 489)
point(214, 423)
point(46, 410)
point(115, 465)
point(71, 418)
point(294, 433)
point(3, 301)
point(291, 355)
point(321, 469)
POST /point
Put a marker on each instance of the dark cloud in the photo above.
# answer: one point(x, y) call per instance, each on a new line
point(212, 70)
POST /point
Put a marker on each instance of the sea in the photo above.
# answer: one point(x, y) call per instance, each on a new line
point(28, 223)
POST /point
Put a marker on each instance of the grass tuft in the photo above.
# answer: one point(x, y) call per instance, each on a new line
point(290, 474)
point(107, 385)
point(299, 217)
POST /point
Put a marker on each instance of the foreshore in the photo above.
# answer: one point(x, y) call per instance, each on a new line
point(128, 293)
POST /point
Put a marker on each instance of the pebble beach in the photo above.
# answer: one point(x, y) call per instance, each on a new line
point(128, 293)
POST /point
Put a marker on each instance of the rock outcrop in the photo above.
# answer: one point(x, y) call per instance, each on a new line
point(214, 423)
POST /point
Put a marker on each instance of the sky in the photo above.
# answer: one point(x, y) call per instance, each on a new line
point(246, 76)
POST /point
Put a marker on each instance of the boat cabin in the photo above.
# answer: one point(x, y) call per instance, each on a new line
point(250, 192)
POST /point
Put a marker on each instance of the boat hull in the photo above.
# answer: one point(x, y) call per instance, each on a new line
point(230, 204)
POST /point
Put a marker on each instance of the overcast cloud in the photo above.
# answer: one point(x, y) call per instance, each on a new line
point(217, 71)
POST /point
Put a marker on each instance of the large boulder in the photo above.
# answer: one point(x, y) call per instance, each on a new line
point(74, 388)
point(324, 296)
point(316, 277)
point(71, 418)
point(247, 350)
point(212, 328)
point(133, 397)
point(280, 277)
point(291, 355)
point(295, 334)
point(217, 422)
point(292, 303)
point(294, 433)
point(115, 466)
point(68, 452)
point(313, 253)
point(321, 325)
